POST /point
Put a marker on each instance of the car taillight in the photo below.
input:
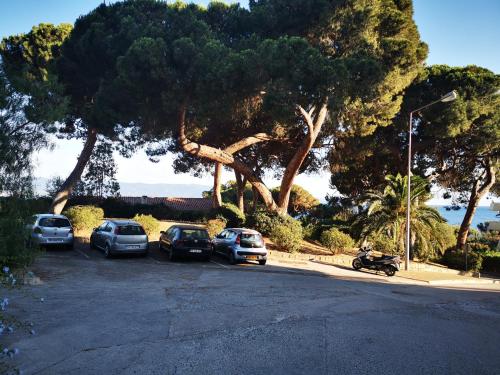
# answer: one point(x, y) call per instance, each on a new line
point(37, 230)
point(238, 240)
point(117, 230)
point(71, 231)
point(178, 242)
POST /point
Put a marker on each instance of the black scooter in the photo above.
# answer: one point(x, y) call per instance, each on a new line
point(386, 263)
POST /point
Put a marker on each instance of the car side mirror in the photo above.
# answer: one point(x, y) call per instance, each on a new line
point(162, 232)
point(96, 229)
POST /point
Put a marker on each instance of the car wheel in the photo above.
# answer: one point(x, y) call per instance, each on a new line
point(70, 247)
point(107, 251)
point(262, 262)
point(232, 259)
point(390, 270)
point(92, 245)
point(356, 264)
point(171, 255)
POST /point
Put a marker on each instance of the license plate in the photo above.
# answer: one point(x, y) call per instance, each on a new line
point(133, 246)
point(195, 251)
point(54, 240)
point(252, 257)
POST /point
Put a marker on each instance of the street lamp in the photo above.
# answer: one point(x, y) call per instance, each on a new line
point(444, 99)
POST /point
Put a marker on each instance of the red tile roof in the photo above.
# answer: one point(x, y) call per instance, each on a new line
point(180, 204)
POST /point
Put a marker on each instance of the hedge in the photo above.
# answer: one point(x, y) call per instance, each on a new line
point(84, 218)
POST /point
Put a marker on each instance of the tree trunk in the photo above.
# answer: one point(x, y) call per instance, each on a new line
point(217, 198)
point(477, 193)
point(240, 191)
point(62, 196)
point(255, 197)
point(292, 169)
point(223, 157)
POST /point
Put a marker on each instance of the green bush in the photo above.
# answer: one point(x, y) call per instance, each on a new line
point(456, 259)
point(336, 241)
point(149, 223)
point(262, 221)
point(84, 217)
point(287, 235)
point(478, 247)
point(491, 261)
point(234, 217)
point(14, 252)
point(382, 243)
point(215, 226)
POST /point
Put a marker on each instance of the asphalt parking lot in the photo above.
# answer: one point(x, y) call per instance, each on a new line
point(135, 315)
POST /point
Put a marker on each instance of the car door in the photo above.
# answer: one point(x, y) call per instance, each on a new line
point(228, 242)
point(219, 241)
point(98, 234)
point(171, 237)
point(164, 238)
point(107, 233)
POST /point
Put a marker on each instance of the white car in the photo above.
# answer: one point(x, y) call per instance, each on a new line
point(50, 229)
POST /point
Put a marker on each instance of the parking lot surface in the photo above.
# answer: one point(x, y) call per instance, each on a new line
point(150, 316)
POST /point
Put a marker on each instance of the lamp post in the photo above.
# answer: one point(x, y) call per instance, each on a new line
point(446, 98)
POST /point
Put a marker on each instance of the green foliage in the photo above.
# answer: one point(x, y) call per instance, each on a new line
point(262, 221)
point(215, 226)
point(491, 261)
point(84, 218)
point(99, 177)
point(287, 235)
point(301, 201)
point(14, 251)
point(456, 259)
point(382, 243)
point(386, 214)
point(148, 223)
point(234, 217)
point(336, 241)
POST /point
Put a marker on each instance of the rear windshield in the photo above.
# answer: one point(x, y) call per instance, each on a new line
point(130, 230)
point(194, 234)
point(250, 237)
point(54, 222)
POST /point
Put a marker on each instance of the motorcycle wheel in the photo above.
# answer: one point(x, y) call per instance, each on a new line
point(390, 270)
point(356, 264)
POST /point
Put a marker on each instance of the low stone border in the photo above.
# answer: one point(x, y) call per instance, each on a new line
point(346, 261)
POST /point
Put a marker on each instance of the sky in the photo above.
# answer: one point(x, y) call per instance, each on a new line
point(458, 32)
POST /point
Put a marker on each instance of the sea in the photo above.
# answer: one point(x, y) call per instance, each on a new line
point(483, 213)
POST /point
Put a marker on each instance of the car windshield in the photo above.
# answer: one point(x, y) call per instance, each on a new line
point(130, 230)
point(251, 237)
point(194, 234)
point(54, 222)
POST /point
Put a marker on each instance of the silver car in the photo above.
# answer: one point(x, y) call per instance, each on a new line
point(120, 237)
point(50, 229)
point(240, 244)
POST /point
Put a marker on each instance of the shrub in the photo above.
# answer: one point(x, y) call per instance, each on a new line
point(84, 217)
point(491, 261)
point(262, 221)
point(456, 259)
point(234, 217)
point(149, 223)
point(478, 247)
point(14, 252)
point(215, 226)
point(287, 235)
point(382, 243)
point(335, 240)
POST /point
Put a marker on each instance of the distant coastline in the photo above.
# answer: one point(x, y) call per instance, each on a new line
point(483, 213)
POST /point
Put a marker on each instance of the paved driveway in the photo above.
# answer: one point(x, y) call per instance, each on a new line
point(150, 316)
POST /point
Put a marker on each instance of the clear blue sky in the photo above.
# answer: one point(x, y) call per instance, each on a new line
point(459, 32)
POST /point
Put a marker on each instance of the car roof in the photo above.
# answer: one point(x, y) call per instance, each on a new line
point(51, 215)
point(243, 230)
point(124, 222)
point(190, 227)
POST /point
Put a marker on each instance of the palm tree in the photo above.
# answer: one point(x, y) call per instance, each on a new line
point(386, 214)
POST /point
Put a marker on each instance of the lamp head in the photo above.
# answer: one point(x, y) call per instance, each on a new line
point(451, 96)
